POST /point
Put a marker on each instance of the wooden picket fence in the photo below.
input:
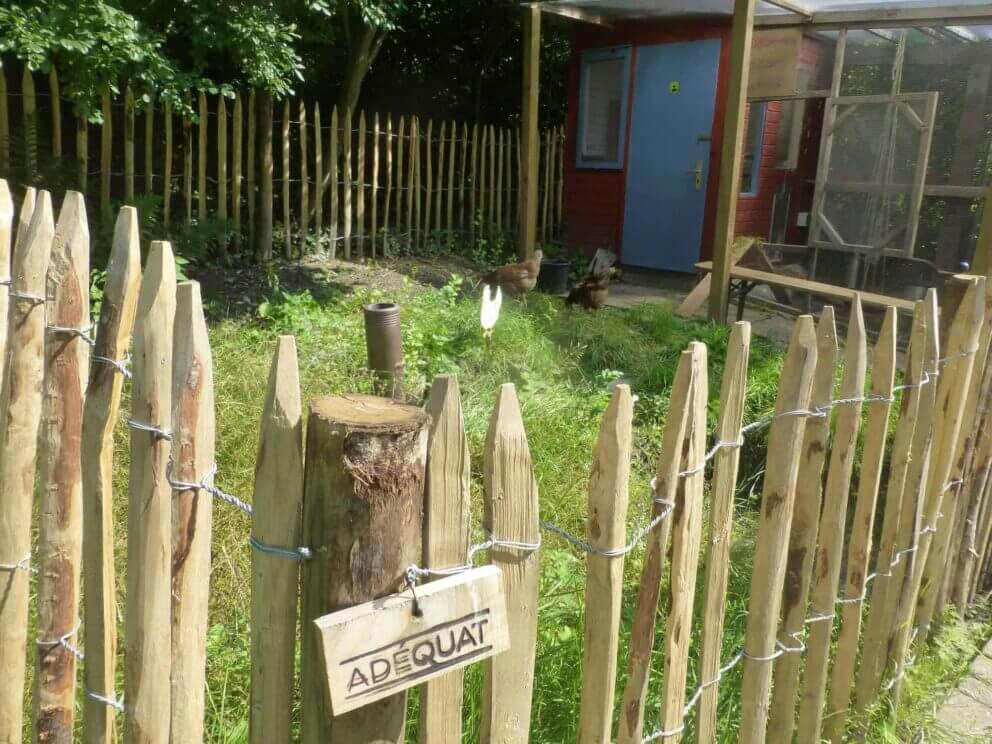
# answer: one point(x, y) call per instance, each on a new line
point(811, 574)
point(352, 181)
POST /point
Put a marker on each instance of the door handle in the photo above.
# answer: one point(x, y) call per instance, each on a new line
point(698, 172)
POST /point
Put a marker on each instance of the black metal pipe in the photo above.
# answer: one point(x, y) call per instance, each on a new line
point(384, 343)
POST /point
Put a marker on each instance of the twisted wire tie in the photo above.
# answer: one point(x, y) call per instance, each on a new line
point(926, 379)
point(80, 333)
point(158, 432)
point(63, 641)
point(33, 299)
point(897, 558)
point(206, 484)
point(492, 542)
point(290, 554)
point(905, 667)
point(711, 454)
point(22, 565)
point(114, 702)
point(959, 355)
point(119, 364)
point(952, 484)
point(762, 422)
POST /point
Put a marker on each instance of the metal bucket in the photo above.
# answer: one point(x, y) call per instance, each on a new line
point(553, 278)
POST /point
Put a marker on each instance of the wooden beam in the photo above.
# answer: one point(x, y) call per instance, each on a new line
point(732, 153)
point(573, 13)
point(930, 54)
point(982, 260)
point(891, 17)
point(530, 144)
point(883, 35)
point(791, 7)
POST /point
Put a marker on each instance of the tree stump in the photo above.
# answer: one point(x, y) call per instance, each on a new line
point(363, 515)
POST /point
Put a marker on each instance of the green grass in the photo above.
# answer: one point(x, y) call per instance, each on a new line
point(562, 363)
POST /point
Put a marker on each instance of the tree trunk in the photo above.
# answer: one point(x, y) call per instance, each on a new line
point(263, 231)
point(365, 45)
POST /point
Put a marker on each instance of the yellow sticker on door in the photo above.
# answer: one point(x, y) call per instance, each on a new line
point(674, 87)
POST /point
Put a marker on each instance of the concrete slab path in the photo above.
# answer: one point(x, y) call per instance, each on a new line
point(966, 714)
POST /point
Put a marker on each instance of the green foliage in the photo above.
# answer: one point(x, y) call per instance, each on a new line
point(228, 681)
point(97, 44)
point(382, 14)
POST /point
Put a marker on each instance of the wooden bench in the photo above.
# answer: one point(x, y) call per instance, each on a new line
point(743, 280)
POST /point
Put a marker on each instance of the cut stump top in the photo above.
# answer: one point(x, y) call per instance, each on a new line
point(368, 413)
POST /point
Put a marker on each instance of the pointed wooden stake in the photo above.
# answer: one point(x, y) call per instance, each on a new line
point(335, 187)
point(304, 181)
point(859, 543)
point(609, 484)
point(511, 514)
point(147, 616)
point(830, 548)
point(149, 144)
point(318, 179)
point(106, 151)
point(277, 504)
point(649, 590)
point(956, 374)
point(103, 398)
point(21, 401)
point(222, 175)
point(237, 163)
point(777, 502)
point(192, 511)
point(55, 98)
point(128, 145)
point(29, 108)
point(60, 502)
point(724, 488)
point(201, 158)
point(687, 523)
point(167, 165)
point(898, 504)
point(447, 503)
point(6, 243)
point(802, 534)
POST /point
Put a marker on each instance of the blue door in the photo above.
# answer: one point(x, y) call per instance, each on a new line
point(669, 155)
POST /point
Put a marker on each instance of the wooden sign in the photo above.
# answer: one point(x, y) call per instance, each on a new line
point(774, 71)
point(380, 648)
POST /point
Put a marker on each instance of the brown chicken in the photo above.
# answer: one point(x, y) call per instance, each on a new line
point(592, 292)
point(517, 278)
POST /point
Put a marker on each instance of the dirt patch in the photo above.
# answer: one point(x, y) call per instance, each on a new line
point(238, 290)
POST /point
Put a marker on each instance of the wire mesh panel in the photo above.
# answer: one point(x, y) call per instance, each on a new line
point(874, 155)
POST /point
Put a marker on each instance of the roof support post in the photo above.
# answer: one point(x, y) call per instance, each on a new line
point(732, 153)
point(982, 262)
point(529, 141)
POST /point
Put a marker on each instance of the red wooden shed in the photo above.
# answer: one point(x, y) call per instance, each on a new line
point(850, 129)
